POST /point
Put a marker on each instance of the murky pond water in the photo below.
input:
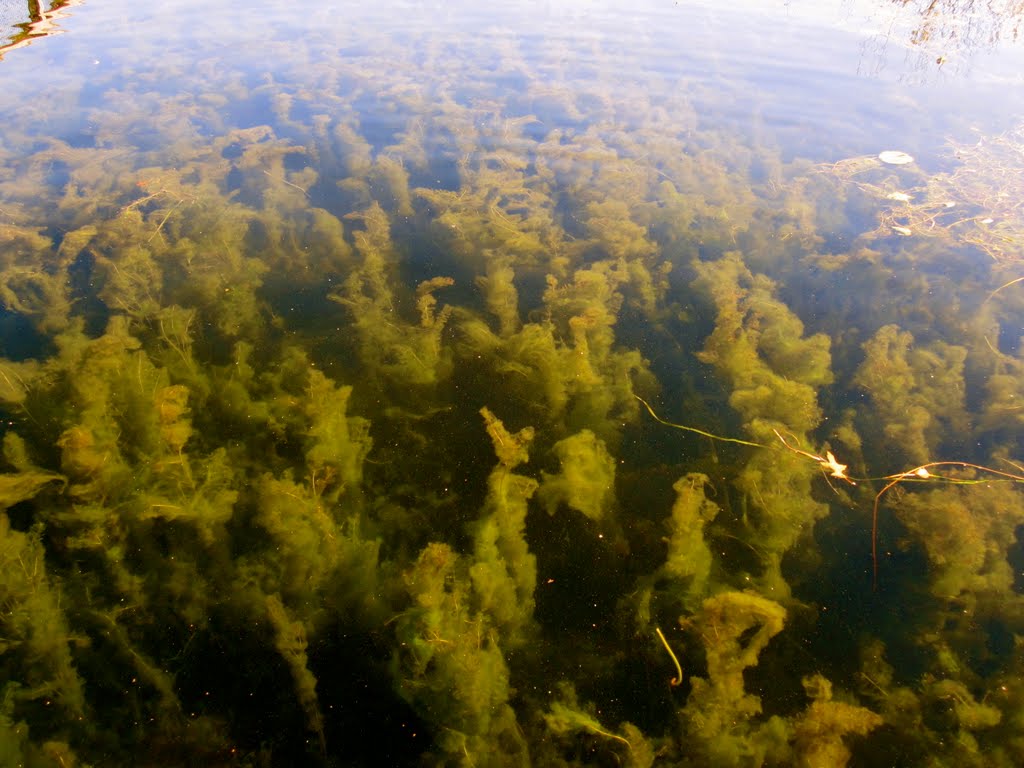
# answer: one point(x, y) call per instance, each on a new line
point(562, 384)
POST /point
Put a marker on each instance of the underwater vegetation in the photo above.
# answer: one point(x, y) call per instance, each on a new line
point(534, 432)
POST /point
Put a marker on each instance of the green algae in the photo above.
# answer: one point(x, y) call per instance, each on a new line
point(253, 418)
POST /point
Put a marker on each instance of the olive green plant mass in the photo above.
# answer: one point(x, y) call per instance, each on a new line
point(502, 439)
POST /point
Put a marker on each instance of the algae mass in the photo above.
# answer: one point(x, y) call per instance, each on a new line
point(332, 444)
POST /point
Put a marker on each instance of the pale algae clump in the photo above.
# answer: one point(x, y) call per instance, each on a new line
point(689, 556)
point(586, 482)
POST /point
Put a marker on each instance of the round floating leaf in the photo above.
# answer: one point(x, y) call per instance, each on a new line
point(895, 157)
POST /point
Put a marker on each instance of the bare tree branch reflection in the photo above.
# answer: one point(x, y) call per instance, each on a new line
point(966, 24)
point(940, 34)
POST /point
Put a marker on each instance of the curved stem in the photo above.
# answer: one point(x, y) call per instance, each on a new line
point(679, 670)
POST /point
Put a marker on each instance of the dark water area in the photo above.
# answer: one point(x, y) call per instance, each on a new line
point(556, 384)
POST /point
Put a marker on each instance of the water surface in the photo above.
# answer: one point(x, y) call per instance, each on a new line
point(568, 384)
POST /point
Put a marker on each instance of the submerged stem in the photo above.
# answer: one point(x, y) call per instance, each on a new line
point(678, 679)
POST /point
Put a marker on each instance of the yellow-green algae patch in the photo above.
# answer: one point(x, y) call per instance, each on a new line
point(305, 406)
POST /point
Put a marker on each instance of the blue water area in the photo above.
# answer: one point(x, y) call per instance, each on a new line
point(512, 384)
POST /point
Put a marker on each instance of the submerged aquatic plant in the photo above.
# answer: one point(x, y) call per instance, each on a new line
point(243, 457)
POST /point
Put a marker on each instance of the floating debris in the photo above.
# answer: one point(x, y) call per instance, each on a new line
point(985, 188)
point(895, 157)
